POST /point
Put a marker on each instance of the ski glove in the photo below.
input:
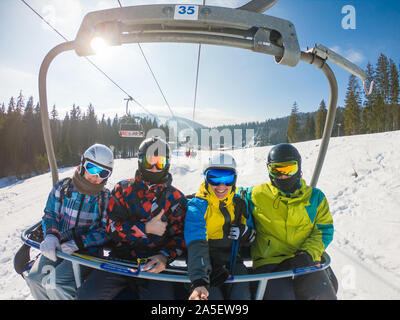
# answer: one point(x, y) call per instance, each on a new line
point(69, 247)
point(243, 233)
point(301, 259)
point(49, 245)
point(218, 276)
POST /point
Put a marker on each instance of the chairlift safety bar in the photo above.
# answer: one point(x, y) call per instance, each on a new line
point(211, 25)
point(179, 276)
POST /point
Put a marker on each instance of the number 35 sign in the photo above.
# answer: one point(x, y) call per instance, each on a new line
point(186, 12)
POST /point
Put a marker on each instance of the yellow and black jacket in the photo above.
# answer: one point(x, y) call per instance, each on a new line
point(207, 224)
point(285, 224)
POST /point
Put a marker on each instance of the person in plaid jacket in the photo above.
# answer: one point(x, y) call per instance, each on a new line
point(74, 219)
point(145, 222)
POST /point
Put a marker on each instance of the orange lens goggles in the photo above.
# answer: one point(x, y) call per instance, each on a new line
point(150, 161)
point(288, 168)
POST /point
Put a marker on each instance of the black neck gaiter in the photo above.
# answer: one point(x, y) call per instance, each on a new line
point(289, 185)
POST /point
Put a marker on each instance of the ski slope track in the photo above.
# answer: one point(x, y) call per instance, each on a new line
point(360, 177)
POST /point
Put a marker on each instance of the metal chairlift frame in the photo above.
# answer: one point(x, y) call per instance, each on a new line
point(244, 27)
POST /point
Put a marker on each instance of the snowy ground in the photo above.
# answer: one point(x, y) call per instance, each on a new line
point(366, 208)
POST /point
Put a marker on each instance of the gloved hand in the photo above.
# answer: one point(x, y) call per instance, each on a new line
point(243, 233)
point(69, 247)
point(301, 259)
point(218, 276)
point(49, 246)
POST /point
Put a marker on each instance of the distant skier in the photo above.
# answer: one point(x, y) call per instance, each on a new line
point(74, 219)
point(216, 225)
point(294, 228)
point(145, 222)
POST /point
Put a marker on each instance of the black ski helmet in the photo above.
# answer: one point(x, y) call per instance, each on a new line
point(283, 152)
point(154, 146)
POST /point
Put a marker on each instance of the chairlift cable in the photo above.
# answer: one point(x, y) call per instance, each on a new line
point(197, 79)
point(152, 73)
point(90, 61)
point(154, 77)
point(197, 76)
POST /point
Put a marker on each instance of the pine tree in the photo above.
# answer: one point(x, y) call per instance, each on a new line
point(352, 113)
point(320, 120)
point(65, 142)
point(3, 118)
point(394, 90)
point(14, 136)
point(368, 122)
point(293, 132)
point(309, 128)
point(77, 145)
point(29, 142)
point(55, 126)
point(379, 109)
point(89, 130)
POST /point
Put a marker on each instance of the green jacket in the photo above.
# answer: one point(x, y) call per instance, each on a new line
point(287, 224)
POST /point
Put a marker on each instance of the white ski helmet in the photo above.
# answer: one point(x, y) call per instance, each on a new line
point(220, 160)
point(99, 154)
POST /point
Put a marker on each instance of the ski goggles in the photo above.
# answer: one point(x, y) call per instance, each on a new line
point(217, 176)
point(93, 169)
point(288, 168)
point(149, 162)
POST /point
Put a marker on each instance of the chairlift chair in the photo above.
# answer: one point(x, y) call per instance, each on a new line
point(244, 27)
point(130, 127)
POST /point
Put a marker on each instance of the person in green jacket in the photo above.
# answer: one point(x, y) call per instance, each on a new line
point(294, 227)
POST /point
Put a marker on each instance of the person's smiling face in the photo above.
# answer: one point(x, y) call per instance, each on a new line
point(221, 190)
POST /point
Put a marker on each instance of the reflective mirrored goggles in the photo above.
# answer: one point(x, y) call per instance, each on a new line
point(218, 176)
point(150, 161)
point(288, 168)
point(93, 169)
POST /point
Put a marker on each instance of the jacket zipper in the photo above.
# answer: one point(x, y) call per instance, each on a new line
point(267, 249)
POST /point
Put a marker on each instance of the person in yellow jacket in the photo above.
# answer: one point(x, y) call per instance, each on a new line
point(294, 227)
point(216, 226)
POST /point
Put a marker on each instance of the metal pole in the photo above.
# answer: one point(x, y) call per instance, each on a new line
point(330, 118)
point(77, 273)
point(44, 113)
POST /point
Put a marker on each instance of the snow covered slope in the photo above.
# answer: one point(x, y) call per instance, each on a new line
point(360, 177)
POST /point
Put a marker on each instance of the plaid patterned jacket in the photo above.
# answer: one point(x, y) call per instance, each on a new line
point(134, 202)
point(76, 217)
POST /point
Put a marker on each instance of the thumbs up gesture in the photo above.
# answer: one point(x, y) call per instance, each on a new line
point(156, 225)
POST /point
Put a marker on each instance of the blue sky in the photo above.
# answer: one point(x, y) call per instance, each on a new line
point(234, 85)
